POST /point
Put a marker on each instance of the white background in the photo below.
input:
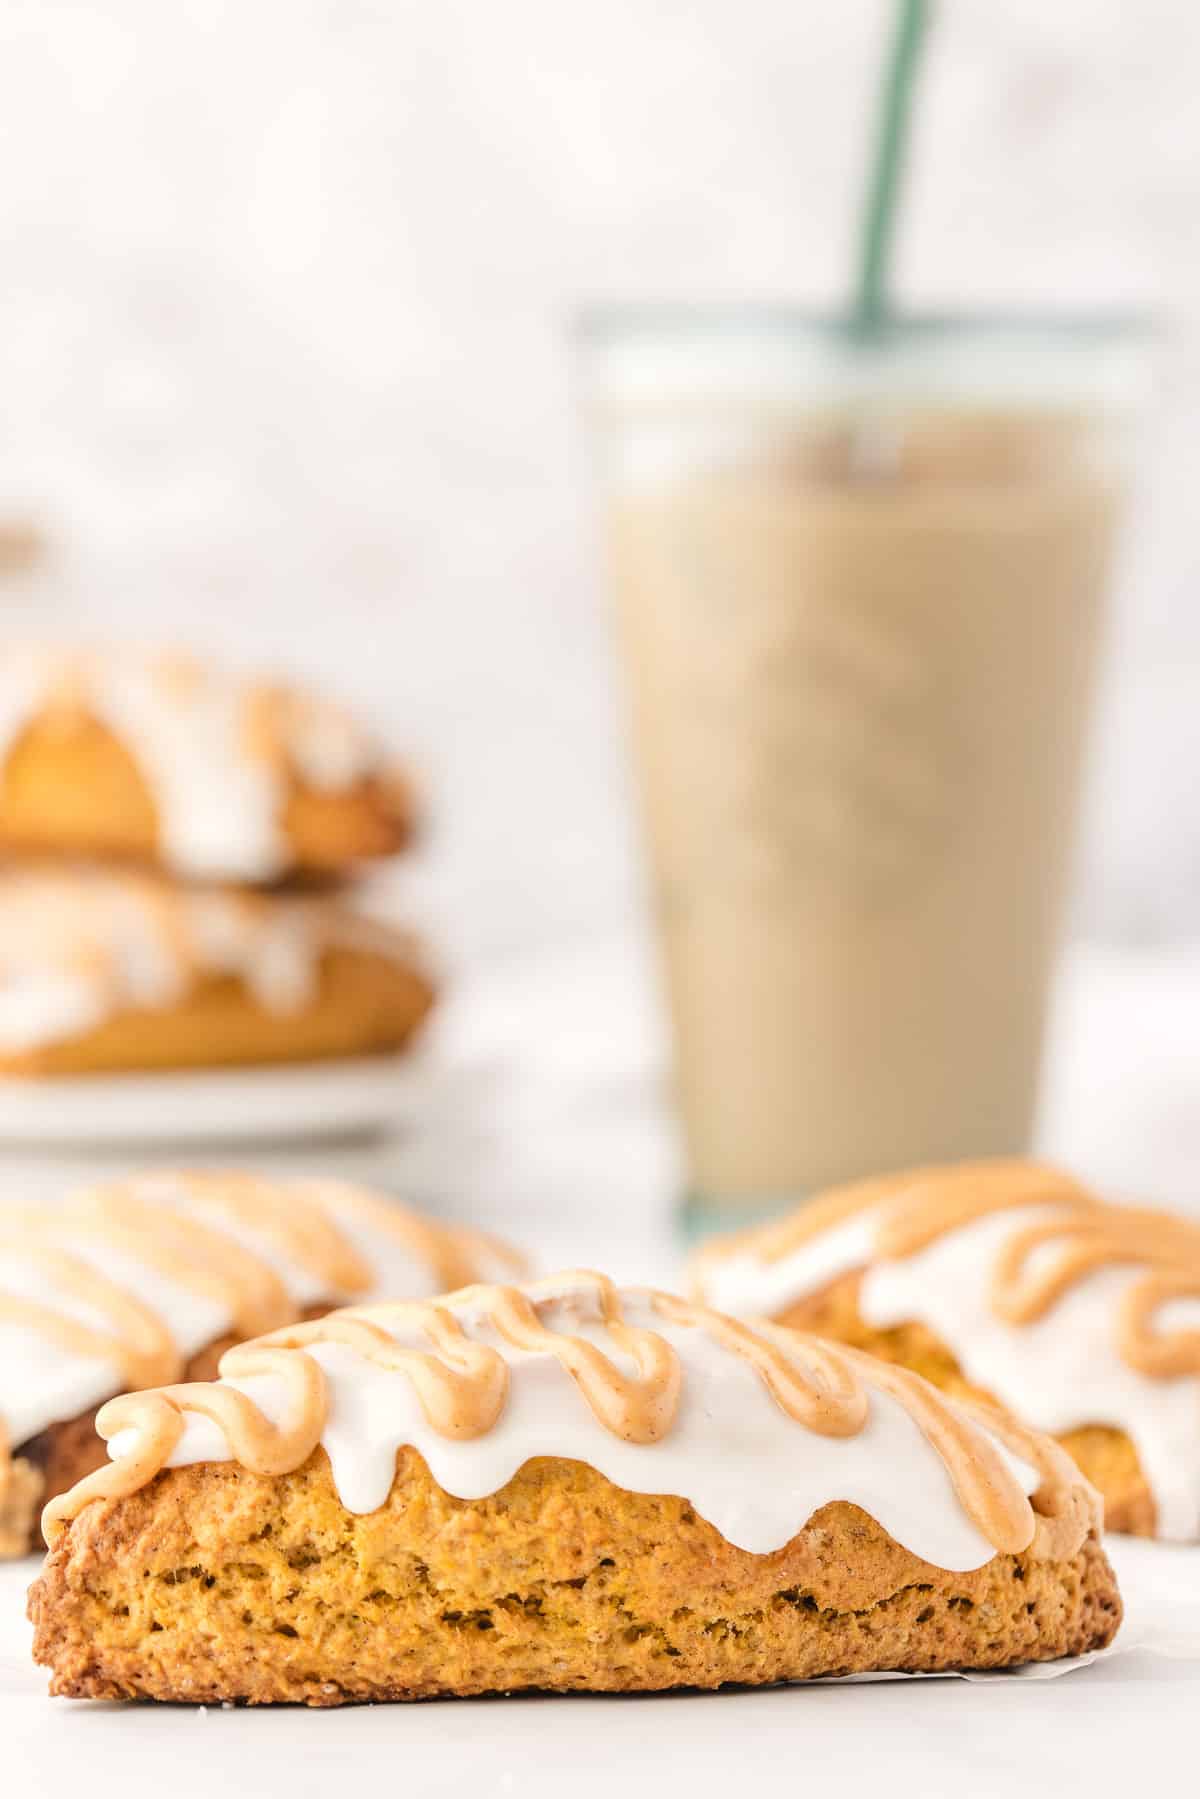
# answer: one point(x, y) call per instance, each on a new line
point(283, 360)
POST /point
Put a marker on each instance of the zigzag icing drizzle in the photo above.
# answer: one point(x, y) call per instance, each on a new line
point(217, 753)
point(123, 1284)
point(1071, 1311)
point(757, 1428)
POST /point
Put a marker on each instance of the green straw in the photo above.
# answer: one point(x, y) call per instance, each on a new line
point(870, 303)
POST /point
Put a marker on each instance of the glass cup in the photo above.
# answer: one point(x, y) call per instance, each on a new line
point(860, 587)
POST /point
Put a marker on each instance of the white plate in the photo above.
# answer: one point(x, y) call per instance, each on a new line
point(220, 1105)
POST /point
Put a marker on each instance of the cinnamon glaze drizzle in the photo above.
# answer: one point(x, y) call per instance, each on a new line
point(913, 1210)
point(137, 1218)
point(461, 1381)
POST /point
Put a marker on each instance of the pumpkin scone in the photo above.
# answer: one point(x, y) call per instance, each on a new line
point(1008, 1281)
point(558, 1486)
point(104, 971)
point(168, 759)
point(150, 1279)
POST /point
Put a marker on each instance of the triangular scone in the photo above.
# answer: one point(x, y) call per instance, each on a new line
point(151, 1278)
point(558, 1486)
point(1006, 1281)
point(164, 758)
point(105, 970)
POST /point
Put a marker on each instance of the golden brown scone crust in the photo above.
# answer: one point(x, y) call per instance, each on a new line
point(365, 1004)
point(1106, 1455)
point(70, 787)
point(53, 1461)
point(20, 1500)
point(215, 1584)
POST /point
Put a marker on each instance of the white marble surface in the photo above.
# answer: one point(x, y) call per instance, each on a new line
point(984, 1735)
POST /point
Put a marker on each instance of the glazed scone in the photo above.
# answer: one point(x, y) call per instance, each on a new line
point(151, 1278)
point(556, 1487)
point(167, 759)
point(1006, 1281)
point(103, 971)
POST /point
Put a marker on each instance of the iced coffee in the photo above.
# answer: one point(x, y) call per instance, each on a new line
point(860, 647)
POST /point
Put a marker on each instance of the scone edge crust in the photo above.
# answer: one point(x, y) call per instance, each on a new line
point(214, 1584)
point(66, 1451)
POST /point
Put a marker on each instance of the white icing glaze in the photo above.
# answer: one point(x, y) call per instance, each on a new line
point(196, 1319)
point(398, 1269)
point(47, 1005)
point(732, 1452)
point(52, 1383)
point(747, 1286)
point(218, 802)
point(218, 792)
point(42, 1382)
point(398, 1272)
point(326, 745)
point(1062, 1370)
point(304, 1284)
point(22, 1274)
point(274, 952)
point(1058, 1373)
point(78, 946)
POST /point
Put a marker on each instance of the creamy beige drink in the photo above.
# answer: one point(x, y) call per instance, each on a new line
point(860, 658)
